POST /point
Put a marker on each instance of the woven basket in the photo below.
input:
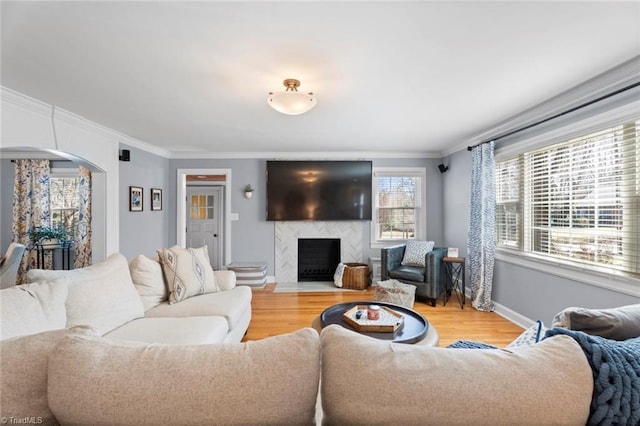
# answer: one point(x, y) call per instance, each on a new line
point(355, 276)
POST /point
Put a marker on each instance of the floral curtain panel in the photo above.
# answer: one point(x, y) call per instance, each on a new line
point(482, 226)
point(31, 208)
point(83, 234)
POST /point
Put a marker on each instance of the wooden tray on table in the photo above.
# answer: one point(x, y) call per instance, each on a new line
point(413, 331)
point(388, 322)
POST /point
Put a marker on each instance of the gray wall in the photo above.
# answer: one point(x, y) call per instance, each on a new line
point(539, 295)
point(456, 189)
point(253, 237)
point(7, 173)
point(146, 231)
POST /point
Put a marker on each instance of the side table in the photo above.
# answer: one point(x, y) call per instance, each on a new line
point(454, 272)
point(64, 247)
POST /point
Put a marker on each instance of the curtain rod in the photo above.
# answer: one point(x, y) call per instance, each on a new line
point(560, 114)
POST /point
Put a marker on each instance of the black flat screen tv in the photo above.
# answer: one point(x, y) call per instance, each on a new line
point(319, 190)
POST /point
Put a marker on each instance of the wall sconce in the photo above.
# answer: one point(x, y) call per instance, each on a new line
point(248, 191)
point(291, 102)
point(442, 168)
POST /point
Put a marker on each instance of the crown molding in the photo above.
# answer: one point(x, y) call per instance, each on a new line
point(346, 155)
point(593, 123)
point(68, 117)
point(91, 126)
point(609, 81)
point(76, 120)
point(24, 101)
point(144, 146)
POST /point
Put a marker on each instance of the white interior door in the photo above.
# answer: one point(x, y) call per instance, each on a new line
point(204, 221)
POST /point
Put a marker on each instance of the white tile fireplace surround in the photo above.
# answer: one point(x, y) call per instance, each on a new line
point(350, 234)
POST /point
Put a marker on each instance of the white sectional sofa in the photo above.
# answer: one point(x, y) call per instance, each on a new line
point(106, 297)
point(94, 346)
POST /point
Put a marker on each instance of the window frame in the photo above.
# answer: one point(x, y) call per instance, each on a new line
point(421, 216)
point(60, 173)
point(592, 275)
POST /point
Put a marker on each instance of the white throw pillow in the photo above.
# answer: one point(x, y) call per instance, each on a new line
point(33, 308)
point(149, 281)
point(101, 295)
point(415, 252)
point(188, 272)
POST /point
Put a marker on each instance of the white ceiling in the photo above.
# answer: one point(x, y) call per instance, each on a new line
point(416, 77)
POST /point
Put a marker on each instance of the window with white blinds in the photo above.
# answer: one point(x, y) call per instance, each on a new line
point(398, 213)
point(576, 201)
point(64, 202)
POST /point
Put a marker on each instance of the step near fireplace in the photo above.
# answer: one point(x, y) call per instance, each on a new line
point(318, 258)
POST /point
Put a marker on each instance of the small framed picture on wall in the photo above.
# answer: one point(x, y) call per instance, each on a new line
point(156, 199)
point(135, 198)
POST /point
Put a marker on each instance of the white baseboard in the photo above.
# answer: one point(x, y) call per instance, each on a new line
point(271, 279)
point(509, 314)
point(513, 316)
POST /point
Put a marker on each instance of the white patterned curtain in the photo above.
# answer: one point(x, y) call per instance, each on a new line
point(482, 226)
point(83, 234)
point(31, 208)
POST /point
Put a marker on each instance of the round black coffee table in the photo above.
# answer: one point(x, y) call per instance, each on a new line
point(414, 330)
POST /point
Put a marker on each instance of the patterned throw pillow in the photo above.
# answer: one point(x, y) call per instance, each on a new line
point(470, 344)
point(530, 336)
point(415, 252)
point(188, 272)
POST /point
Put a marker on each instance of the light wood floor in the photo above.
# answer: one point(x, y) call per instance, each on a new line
point(278, 313)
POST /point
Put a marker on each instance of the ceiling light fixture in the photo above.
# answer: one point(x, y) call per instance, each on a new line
point(291, 102)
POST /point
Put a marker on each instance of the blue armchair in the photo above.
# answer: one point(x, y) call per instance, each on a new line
point(429, 280)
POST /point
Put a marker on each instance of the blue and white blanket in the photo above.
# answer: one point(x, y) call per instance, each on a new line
point(616, 377)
